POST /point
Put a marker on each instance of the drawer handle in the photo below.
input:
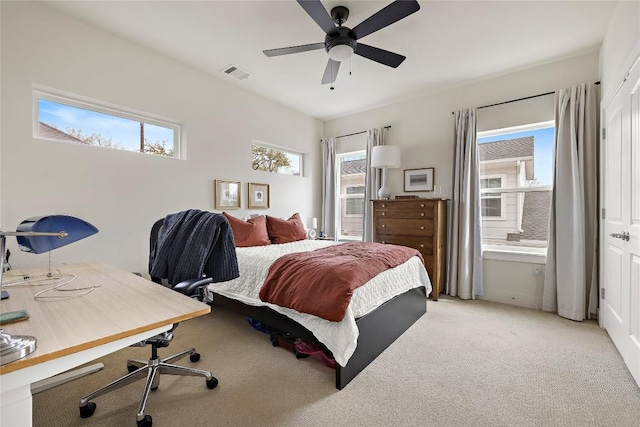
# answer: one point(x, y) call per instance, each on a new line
point(383, 213)
point(422, 245)
point(422, 205)
point(383, 242)
point(384, 225)
point(384, 206)
point(421, 213)
point(422, 227)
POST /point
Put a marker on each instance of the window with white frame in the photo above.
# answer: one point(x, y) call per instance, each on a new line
point(274, 159)
point(492, 203)
point(516, 167)
point(351, 184)
point(74, 120)
point(355, 205)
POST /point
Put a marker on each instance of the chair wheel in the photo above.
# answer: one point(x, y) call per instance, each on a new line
point(132, 368)
point(87, 411)
point(212, 383)
point(145, 422)
point(194, 357)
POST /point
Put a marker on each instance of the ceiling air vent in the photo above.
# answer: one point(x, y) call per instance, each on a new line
point(236, 72)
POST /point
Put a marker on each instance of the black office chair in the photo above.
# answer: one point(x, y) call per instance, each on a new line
point(155, 366)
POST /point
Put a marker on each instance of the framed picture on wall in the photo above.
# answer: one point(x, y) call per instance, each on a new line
point(418, 179)
point(227, 194)
point(258, 196)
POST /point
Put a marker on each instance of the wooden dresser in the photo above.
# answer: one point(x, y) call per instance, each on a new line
point(419, 224)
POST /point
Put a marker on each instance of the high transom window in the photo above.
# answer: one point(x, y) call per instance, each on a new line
point(65, 119)
point(272, 159)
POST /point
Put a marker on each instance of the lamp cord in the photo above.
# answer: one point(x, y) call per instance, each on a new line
point(37, 280)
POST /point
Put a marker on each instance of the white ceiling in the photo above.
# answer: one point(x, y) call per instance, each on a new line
point(447, 43)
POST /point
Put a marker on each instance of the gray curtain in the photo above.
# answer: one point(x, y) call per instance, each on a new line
point(571, 278)
point(372, 183)
point(465, 241)
point(329, 187)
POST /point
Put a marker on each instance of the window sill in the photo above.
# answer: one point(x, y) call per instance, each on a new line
point(515, 254)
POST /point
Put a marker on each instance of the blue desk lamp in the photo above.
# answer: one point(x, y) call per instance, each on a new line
point(37, 235)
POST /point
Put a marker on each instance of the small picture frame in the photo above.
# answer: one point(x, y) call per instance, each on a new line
point(418, 179)
point(258, 196)
point(227, 194)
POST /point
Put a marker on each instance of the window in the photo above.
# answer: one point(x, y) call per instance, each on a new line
point(351, 175)
point(355, 205)
point(65, 119)
point(272, 159)
point(515, 185)
point(492, 203)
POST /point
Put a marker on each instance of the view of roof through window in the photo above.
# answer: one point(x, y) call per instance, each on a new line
point(516, 177)
point(69, 123)
point(542, 150)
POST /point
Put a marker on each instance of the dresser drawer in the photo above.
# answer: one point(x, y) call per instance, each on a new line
point(419, 224)
point(425, 246)
point(410, 227)
point(422, 209)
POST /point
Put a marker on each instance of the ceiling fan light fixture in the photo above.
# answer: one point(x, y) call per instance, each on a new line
point(340, 52)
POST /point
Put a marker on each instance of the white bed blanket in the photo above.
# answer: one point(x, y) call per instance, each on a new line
point(341, 338)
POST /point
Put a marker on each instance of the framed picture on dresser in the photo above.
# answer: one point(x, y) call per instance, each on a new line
point(418, 179)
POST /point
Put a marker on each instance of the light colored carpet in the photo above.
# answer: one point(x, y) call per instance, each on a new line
point(464, 363)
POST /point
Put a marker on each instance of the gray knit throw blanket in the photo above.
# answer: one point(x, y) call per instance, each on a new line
point(192, 244)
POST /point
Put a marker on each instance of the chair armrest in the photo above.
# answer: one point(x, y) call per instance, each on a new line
point(188, 287)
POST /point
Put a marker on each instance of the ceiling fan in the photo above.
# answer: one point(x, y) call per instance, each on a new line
point(341, 42)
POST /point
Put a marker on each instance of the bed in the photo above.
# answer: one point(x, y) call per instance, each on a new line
point(376, 313)
point(380, 310)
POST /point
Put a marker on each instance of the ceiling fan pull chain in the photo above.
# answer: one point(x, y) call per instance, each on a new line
point(331, 74)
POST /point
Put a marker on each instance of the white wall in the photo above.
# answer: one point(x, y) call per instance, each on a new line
point(123, 193)
point(620, 48)
point(423, 128)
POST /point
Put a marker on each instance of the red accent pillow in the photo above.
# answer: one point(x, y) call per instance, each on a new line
point(249, 233)
point(285, 230)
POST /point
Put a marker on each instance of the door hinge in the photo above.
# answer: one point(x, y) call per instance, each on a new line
point(602, 292)
point(603, 213)
point(604, 133)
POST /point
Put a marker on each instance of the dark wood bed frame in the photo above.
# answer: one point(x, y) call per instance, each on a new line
point(378, 329)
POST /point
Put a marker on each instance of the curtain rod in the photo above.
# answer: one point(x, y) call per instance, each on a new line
point(519, 99)
point(361, 132)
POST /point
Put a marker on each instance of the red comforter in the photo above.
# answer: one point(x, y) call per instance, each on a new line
point(321, 282)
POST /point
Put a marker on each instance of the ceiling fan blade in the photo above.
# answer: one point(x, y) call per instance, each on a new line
point(293, 49)
point(379, 55)
point(318, 13)
point(330, 72)
point(392, 13)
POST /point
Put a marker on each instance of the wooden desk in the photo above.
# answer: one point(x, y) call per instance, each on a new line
point(123, 310)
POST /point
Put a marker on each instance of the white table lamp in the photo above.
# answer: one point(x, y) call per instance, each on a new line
point(383, 157)
point(312, 224)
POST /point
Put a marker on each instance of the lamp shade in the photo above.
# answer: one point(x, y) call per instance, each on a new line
point(312, 223)
point(385, 156)
point(72, 228)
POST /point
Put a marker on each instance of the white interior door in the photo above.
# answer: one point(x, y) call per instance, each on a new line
point(621, 243)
